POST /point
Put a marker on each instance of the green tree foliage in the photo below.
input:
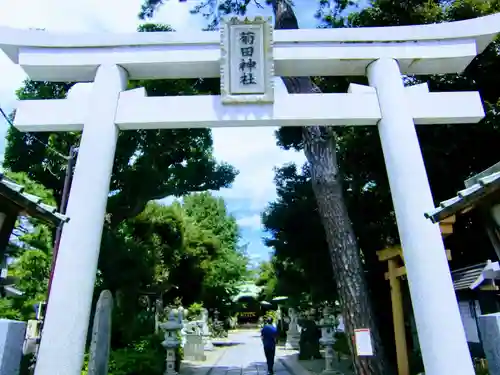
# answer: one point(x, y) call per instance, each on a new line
point(452, 152)
point(186, 251)
point(267, 279)
point(301, 262)
point(229, 265)
point(191, 245)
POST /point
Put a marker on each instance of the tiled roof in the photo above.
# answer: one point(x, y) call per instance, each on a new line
point(464, 277)
point(483, 187)
point(29, 203)
point(247, 290)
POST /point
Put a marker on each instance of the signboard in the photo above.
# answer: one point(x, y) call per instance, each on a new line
point(248, 314)
point(363, 342)
point(247, 65)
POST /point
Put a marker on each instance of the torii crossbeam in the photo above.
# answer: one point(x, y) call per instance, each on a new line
point(358, 107)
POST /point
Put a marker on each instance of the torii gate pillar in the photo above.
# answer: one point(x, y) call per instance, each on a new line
point(433, 298)
point(62, 347)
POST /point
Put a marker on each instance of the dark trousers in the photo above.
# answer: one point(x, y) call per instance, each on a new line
point(270, 352)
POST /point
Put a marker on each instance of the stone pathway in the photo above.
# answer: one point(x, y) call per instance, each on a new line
point(245, 357)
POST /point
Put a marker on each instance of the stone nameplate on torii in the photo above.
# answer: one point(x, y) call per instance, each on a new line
point(247, 65)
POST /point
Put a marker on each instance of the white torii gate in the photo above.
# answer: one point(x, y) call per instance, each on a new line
point(383, 54)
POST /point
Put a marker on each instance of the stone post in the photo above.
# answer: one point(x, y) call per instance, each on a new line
point(205, 331)
point(11, 345)
point(171, 343)
point(489, 326)
point(327, 325)
point(101, 335)
point(293, 334)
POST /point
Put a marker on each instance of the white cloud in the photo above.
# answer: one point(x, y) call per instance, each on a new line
point(253, 151)
point(252, 222)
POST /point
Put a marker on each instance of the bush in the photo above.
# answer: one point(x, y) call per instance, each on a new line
point(144, 356)
point(194, 311)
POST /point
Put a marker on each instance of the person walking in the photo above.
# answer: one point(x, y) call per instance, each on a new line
point(269, 334)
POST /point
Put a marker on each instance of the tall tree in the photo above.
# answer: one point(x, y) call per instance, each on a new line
point(229, 265)
point(319, 145)
point(301, 259)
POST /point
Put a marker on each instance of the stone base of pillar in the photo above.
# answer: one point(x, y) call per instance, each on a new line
point(11, 345)
point(489, 326)
point(170, 361)
point(329, 357)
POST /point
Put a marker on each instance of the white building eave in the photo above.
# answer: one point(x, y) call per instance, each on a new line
point(436, 48)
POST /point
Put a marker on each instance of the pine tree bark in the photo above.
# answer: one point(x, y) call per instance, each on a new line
point(320, 151)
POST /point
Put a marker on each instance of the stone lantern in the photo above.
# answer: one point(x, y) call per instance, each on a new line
point(205, 331)
point(328, 325)
point(293, 334)
point(171, 343)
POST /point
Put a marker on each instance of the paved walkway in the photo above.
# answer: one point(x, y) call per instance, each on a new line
point(245, 357)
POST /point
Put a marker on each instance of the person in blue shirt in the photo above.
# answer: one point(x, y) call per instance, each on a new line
point(269, 333)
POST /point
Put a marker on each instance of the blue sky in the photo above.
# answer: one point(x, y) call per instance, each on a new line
point(255, 160)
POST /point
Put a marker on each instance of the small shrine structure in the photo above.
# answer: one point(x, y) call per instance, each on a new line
point(15, 202)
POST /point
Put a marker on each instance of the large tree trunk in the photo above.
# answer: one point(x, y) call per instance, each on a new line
point(320, 150)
